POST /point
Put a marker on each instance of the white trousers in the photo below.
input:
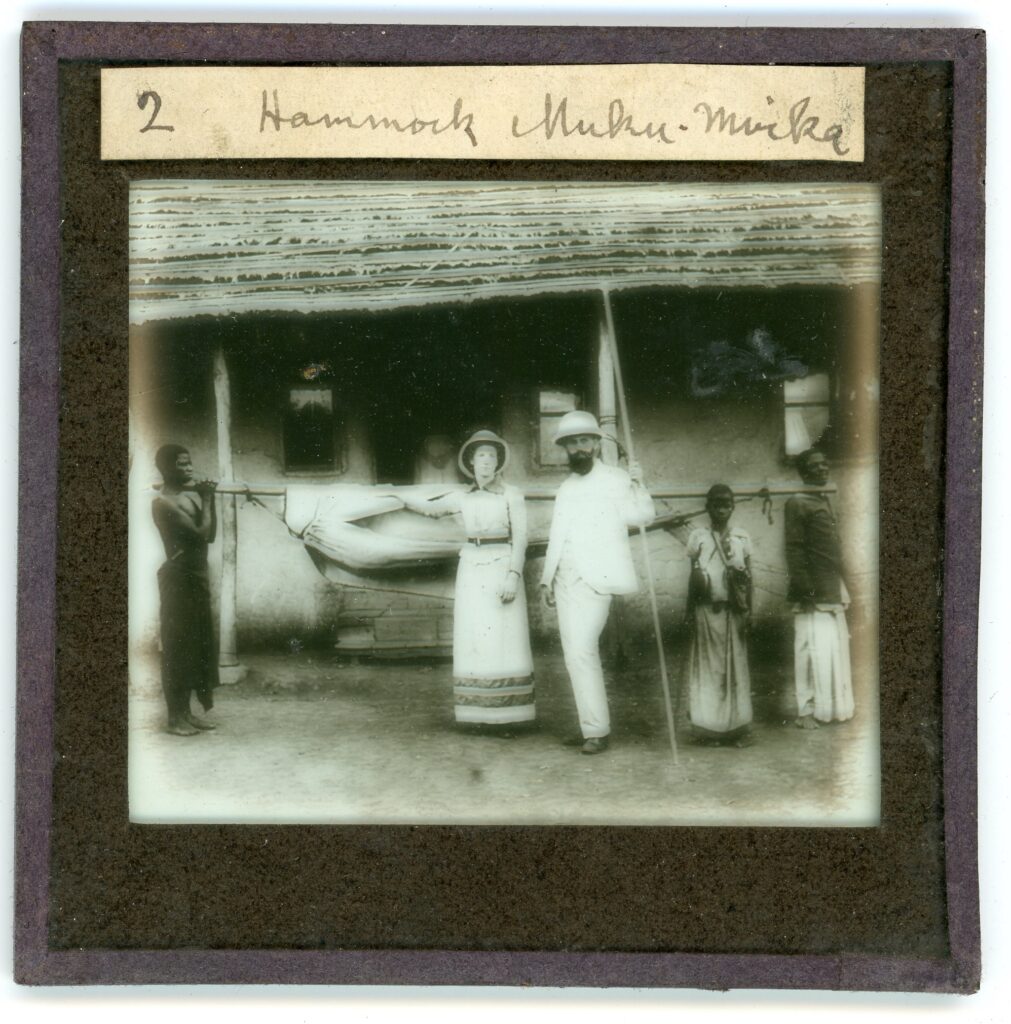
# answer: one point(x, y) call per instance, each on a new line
point(821, 652)
point(582, 615)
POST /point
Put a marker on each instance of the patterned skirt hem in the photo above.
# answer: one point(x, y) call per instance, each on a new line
point(494, 716)
point(492, 701)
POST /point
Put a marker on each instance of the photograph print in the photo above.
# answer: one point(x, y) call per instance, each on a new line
point(506, 503)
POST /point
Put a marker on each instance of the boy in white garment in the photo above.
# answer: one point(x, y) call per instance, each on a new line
point(589, 560)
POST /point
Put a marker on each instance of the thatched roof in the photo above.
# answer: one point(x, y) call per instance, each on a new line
point(226, 247)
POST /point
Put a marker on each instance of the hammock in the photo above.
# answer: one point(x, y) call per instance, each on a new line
point(362, 536)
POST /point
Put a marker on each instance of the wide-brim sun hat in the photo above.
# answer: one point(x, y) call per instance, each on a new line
point(475, 441)
point(577, 422)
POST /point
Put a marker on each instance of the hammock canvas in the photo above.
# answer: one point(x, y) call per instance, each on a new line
point(362, 536)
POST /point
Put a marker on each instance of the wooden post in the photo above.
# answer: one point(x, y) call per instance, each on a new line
point(229, 669)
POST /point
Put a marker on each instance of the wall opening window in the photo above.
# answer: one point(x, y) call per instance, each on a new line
point(309, 431)
point(807, 402)
point(552, 405)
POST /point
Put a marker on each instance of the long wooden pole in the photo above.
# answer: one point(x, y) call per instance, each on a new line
point(607, 412)
point(630, 449)
point(742, 492)
point(548, 493)
point(613, 636)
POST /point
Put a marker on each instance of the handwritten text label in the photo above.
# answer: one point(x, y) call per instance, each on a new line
point(563, 112)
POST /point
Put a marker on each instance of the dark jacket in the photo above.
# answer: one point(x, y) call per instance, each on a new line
point(812, 550)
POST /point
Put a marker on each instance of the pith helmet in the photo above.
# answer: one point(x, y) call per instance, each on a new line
point(577, 422)
point(475, 441)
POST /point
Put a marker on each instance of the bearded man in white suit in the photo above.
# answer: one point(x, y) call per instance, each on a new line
point(589, 560)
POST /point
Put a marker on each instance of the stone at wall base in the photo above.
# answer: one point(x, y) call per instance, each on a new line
point(229, 675)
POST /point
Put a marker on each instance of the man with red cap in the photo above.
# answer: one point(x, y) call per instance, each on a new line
point(588, 560)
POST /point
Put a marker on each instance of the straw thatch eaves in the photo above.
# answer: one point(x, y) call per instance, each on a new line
point(226, 247)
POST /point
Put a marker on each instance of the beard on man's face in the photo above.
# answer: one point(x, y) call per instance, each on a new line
point(581, 462)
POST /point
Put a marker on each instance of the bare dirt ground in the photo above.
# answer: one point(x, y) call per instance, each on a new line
point(312, 738)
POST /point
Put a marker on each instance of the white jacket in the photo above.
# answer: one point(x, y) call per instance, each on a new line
point(590, 525)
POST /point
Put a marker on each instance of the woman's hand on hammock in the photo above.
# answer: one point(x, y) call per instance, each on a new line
point(421, 506)
point(507, 592)
point(547, 595)
point(437, 507)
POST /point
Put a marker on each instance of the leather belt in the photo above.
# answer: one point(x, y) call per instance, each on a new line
point(478, 541)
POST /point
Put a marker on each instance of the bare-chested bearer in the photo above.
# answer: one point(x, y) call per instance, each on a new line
point(185, 515)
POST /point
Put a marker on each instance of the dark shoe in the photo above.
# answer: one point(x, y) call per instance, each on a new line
point(595, 745)
point(200, 723)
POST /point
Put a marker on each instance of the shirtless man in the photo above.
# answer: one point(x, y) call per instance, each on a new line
point(185, 515)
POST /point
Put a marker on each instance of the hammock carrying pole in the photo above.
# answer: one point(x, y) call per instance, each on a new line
point(534, 493)
point(627, 431)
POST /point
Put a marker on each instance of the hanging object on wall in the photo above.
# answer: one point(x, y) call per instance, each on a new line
point(723, 367)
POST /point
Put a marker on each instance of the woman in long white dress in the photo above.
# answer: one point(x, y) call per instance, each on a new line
point(719, 680)
point(492, 665)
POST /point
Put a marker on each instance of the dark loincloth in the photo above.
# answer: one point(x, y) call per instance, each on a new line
point(189, 653)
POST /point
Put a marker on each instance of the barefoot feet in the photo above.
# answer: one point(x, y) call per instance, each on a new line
point(200, 723)
point(180, 727)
